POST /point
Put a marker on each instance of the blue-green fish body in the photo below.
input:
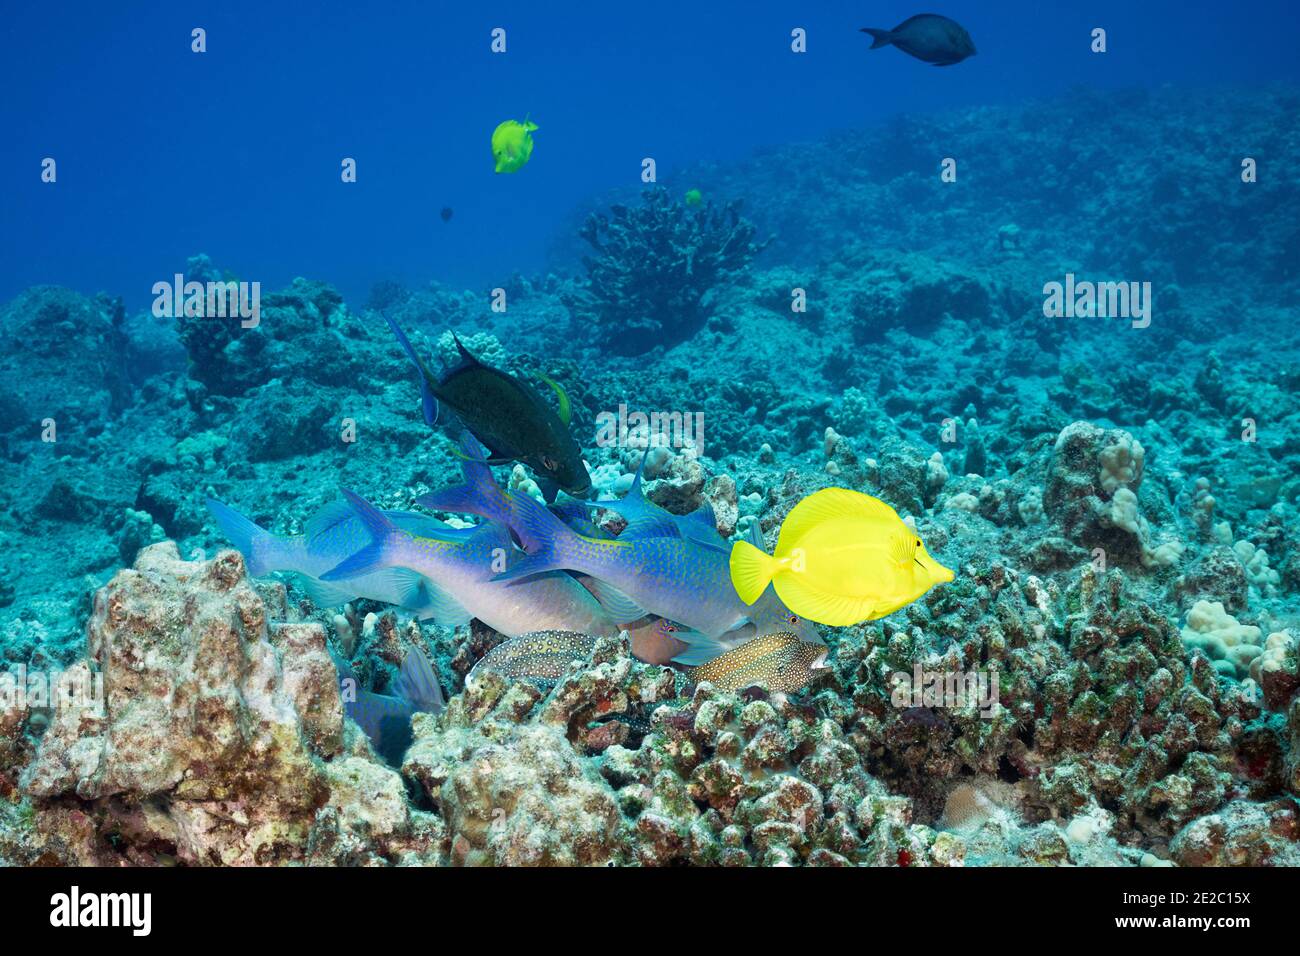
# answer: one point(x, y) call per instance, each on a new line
point(332, 535)
point(661, 565)
point(663, 574)
point(466, 569)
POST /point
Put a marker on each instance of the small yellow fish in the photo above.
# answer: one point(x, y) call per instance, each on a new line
point(694, 197)
point(512, 145)
point(781, 661)
point(842, 557)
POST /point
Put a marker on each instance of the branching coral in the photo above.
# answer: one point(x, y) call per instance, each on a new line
point(654, 266)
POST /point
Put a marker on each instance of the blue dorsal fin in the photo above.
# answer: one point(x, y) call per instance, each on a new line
point(652, 525)
point(424, 526)
point(702, 525)
point(754, 535)
point(635, 490)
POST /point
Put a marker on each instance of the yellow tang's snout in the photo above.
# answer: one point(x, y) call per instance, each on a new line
point(937, 572)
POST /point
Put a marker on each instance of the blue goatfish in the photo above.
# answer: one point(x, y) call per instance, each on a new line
point(651, 568)
point(768, 615)
point(386, 718)
point(465, 568)
point(330, 536)
point(690, 558)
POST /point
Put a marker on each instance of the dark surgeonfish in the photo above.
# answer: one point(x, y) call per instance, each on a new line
point(386, 718)
point(507, 415)
point(928, 37)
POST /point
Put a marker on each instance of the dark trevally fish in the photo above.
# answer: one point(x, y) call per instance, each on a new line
point(928, 37)
point(781, 661)
point(507, 415)
point(331, 535)
point(540, 657)
point(386, 718)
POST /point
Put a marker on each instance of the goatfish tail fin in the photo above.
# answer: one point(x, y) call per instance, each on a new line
point(553, 543)
point(879, 37)
point(428, 402)
point(418, 684)
point(373, 556)
point(249, 538)
point(480, 495)
point(751, 570)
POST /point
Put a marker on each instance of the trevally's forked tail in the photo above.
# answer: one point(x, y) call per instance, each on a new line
point(428, 403)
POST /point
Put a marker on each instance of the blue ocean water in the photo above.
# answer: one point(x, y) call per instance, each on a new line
point(1027, 320)
point(236, 152)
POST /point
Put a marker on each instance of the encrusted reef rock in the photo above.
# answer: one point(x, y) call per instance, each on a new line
point(220, 739)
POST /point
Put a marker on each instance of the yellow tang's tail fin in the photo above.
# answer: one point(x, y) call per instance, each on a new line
point(751, 570)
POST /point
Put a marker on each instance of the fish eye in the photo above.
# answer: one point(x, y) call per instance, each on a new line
point(670, 628)
point(918, 542)
point(793, 619)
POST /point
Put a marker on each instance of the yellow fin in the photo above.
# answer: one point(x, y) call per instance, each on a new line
point(751, 571)
point(830, 504)
point(807, 601)
point(566, 410)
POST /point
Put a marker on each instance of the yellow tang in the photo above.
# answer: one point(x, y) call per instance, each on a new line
point(512, 145)
point(842, 557)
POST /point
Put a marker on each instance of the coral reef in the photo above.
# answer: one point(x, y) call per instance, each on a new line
point(1119, 505)
point(655, 263)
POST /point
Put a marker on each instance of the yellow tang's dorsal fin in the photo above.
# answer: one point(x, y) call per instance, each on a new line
point(827, 505)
